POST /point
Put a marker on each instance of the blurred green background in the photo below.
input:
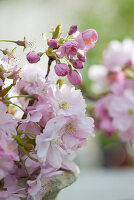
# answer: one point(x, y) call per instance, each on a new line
point(113, 20)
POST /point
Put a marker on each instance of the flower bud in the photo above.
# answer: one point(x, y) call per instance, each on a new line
point(33, 57)
point(78, 64)
point(75, 78)
point(61, 69)
point(81, 56)
point(73, 29)
point(57, 32)
point(53, 43)
point(90, 36)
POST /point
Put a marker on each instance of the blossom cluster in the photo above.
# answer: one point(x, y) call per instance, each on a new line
point(42, 120)
point(69, 53)
point(115, 109)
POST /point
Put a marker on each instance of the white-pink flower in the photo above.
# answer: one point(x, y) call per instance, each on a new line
point(119, 54)
point(8, 154)
point(29, 81)
point(6, 68)
point(60, 135)
point(7, 122)
point(12, 190)
point(86, 40)
point(65, 101)
point(105, 120)
point(121, 109)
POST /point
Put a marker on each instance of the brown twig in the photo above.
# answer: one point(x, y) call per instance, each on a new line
point(49, 65)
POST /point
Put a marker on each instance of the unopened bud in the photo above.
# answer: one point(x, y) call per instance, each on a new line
point(61, 69)
point(73, 29)
point(33, 57)
point(53, 43)
point(78, 64)
point(75, 78)
point(81, 56)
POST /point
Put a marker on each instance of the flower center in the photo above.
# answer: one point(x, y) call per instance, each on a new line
point(70, 129)
point(10, 147)
point(88, 41)
point(63, 106)
point(130, 112)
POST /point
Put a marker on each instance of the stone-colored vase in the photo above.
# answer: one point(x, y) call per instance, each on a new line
point(58, 183)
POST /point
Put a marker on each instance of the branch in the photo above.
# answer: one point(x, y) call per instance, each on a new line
point(49, 65)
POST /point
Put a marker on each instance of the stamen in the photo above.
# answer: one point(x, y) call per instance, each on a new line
point(70, 129)
point(63, 106)
point(130, 112)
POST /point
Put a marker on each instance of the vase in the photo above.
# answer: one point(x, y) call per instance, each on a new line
point(58, 183)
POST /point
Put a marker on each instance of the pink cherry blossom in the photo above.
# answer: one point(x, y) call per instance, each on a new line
point(12, 191)
point(7, 69)
point(49, 150)
point(121, 109)
point(102, 112)
point(7, 123)
point(122, 52)
point(29, 81)
point(86, 40)
point(8, 154)
point(61, 134)
point(65, 101)
point(42, 120)
point(68, 49)
point(41, 111)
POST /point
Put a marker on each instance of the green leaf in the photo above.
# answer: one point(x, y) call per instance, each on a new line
point(5, 90)
point(57, 32)
point(60, 82)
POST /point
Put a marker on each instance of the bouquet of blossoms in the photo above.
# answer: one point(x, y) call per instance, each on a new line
point(115, 109)
point(42, 119)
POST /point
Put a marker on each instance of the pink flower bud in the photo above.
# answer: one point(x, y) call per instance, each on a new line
point(73, 29)
point(90, 36)
point(33, 57)
point(75, 78)
point(78, 64)
point(61, 69)
point(81, 56)
point(53, 43)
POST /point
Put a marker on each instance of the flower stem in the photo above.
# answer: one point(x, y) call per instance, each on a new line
point(25, 96)
point(8, 41)
point(22, 162)
point(26, 152)
point(17, 106)
point(27, 133)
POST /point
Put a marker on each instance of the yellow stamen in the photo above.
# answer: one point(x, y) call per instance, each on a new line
point(63, 106)
point(130, 112)
point(70, 129)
